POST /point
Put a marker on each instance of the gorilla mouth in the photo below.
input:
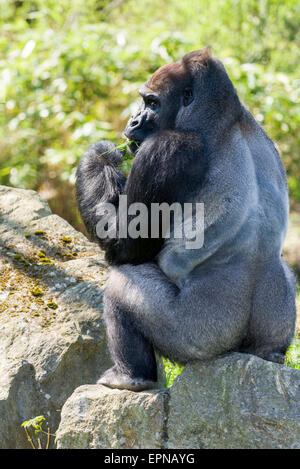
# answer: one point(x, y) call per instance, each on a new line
point(133, 146)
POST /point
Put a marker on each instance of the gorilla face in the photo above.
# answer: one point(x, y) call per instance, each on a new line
point(192, 95)
point(168, 90)
point(147, 119)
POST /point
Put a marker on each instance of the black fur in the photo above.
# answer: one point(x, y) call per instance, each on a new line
point(162, 171)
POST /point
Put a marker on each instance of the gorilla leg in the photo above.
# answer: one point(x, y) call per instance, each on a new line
point(143, 308)
point(135, 364)
point(194, 322)
point(272, 323)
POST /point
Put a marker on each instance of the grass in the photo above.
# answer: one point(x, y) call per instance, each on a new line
point(292, 359)
point(172, 370)
point(293, 354)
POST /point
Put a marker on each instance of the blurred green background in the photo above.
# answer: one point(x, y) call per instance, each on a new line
point(70, 73)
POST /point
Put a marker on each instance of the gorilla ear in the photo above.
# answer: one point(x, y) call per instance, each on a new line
point(188, 96)
point(206, 52)
point(198, 58)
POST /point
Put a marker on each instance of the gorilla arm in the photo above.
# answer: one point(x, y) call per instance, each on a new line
point(100, 181)
point(229, 195)
point(162, 171)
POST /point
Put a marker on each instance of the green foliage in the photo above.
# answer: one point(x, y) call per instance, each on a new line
point(70, 72)
point(36, 423)
point(121, 146)
point(292, 358)
point(171, 370)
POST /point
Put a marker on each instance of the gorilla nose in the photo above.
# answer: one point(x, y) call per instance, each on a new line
point(134, 123)
point(137, 121)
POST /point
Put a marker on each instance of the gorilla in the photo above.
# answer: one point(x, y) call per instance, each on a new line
point(193, 141)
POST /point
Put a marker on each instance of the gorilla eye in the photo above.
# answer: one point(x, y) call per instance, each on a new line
point(153, 103)
point(187, 96)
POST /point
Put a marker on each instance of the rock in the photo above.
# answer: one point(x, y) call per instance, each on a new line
point(18, 393)
point(99, 417)
point(52, 336)
point(20, 207)
point(238, 401)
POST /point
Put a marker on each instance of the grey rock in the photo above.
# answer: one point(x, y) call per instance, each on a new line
point(235, 402)
point(19, 206)
point(19, 396)
point(238, 401)
point(99, 417)
point(52, 335)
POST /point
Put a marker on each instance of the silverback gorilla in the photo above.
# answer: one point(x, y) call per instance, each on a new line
point(193, 142)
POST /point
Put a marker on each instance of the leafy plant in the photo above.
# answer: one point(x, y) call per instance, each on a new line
point(292, 358)
point(121, 146)
point(35, 426)
point(171, 370)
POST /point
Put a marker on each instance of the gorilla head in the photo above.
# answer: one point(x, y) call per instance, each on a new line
point(185, 95)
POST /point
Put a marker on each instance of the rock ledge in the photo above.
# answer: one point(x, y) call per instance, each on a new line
point(237, 401)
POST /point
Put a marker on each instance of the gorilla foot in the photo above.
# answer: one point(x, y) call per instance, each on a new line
point(275, 357)
point(115, 379)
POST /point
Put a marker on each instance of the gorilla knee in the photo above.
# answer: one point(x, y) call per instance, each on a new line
point(116, 283)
